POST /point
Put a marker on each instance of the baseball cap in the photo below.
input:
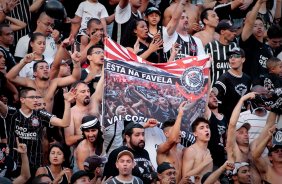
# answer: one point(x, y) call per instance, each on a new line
point(125, 152)
point(224, 25)
point(246, 125)
point(90, 122)
point(274, 148)
point(236, 50)
point(238, 165)
point(151, 10)
point(78, 175)
point(164, 166)
point(130, 126)
point(92, 162)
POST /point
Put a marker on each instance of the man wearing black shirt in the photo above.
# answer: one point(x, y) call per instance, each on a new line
point(252, 41)
point(135, 143)
point(27, 124)
point(6, 40)
point(233, 84)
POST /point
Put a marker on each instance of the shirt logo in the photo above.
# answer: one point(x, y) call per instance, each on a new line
point(34, 122)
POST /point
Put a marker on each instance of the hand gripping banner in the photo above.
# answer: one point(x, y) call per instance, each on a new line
point(136, 89)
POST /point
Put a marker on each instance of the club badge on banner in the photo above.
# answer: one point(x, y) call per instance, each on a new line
point(136, 90)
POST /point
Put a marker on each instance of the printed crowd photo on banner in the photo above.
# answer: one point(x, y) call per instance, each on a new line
point(136, 90)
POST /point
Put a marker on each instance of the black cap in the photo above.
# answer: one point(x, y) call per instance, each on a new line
point(78, 175)
point(92, 162)
point(90, 122)
point(151, 10)
point(164, 166)
point(130, 126)
point(274, 148)
point(236, 50)
point(224, 25)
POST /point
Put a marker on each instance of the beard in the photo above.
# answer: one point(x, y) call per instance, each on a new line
point(139, 146)
point(45, 78)
point(86, 101)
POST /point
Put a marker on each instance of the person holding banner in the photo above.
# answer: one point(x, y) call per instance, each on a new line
point(170, 151)
point(177, 31)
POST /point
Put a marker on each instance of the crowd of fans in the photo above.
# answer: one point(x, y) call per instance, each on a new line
point(52, 85)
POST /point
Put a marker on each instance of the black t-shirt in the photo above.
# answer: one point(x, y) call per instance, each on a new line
point(230, 89)
point(3, 131)
point(257, 53)
point(154, 58)
point(270, 81)
point(216, 143)
point(93, 82)
point(143, 169)
point(9, 58)
point(29, 131)
point(220, 63)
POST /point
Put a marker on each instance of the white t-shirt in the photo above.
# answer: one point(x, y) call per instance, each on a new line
point(49, 53)
point(27, 70)
point(87, 10)
point(170, 40)
point(257, 123)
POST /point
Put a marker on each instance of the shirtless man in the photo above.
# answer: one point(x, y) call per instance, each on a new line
point(73, 132)
point(169, 151)
point(210, 20)
point(197, 159)
point(269, 166)
point(192, 11)
point(238, 147)
point(41, 71)
point(92, 143)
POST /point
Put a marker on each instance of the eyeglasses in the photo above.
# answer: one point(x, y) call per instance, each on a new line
point(235, 56)
point(33, 97)
point(97, 52)
point(51, 25)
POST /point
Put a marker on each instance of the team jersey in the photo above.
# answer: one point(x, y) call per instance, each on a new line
point(230, 89)
point(220, 61)
point(29, 130)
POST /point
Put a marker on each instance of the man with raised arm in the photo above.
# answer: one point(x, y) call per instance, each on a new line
point(177, 31)
point(269, 166)
point(27, 124)
point(41, 82)
point(171, 151)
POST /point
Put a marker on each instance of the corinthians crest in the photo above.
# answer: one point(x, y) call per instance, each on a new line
point(193, 79)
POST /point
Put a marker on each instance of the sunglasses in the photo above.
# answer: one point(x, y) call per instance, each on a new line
point(235, 56)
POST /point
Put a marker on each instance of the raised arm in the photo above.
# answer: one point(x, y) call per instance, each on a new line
point(250, 20)
point(231, 138)
point(76, 72)
point(174, 134)
point(123, 3)
point(3, 109)
point(25, 173)
point(65, 122)
point(216, 174)
point(260, 162)
point(96, 98)
point(172, 24)
point(12, 75)
point(16, 24)
point(55, 68)
point(35, 6)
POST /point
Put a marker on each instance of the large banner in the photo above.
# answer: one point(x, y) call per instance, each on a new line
point(136, 90)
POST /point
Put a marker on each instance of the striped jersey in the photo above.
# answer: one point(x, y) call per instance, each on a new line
point(220, 61)
point(29, 130)
point(135, 180)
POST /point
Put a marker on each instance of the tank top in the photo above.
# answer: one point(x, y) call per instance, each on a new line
point(64, 179)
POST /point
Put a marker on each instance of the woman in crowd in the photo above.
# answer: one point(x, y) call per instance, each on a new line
point(55, 170)
point(37, 45)
point(139, 41)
